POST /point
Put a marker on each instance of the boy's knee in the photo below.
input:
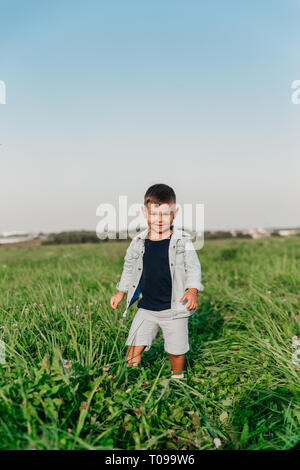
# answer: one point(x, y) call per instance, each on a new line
point(134, 354)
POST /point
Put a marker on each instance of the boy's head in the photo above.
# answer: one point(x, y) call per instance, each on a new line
point(160, 207)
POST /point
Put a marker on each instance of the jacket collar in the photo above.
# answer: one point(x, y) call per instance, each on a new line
point(177, 233)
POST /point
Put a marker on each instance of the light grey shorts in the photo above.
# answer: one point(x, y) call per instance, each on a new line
point(146, 325)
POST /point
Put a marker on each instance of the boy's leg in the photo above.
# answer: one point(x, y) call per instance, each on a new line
point(175, 332)
point(177, 363)
point(143, 330)
point(134, 355)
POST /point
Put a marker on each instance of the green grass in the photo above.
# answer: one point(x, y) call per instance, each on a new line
point(241, 387)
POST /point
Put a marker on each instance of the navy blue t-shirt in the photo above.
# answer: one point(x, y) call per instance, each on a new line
point(156, 282)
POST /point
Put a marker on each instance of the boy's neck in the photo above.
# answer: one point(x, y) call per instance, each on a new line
point(161, 236)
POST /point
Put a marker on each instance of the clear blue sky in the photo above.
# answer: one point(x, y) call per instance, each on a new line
point(105, 98)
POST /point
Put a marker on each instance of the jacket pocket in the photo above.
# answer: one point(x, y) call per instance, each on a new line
point(180, 247)
point(179, 255)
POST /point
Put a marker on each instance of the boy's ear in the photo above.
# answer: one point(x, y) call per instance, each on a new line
point(175, 210)
point(144, 210)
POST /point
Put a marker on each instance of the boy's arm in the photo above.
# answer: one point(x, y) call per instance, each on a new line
point(123, 284)
point(193, 268)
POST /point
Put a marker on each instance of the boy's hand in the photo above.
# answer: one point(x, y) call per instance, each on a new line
point(191, 297)
point(116, 299)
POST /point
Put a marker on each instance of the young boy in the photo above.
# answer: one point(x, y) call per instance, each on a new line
point(163, 271)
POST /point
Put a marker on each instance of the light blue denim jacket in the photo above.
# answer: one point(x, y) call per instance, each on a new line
point(184, 265)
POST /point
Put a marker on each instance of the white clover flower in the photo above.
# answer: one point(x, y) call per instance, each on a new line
point(296, 357)
point(217, 442)
point(295, 342)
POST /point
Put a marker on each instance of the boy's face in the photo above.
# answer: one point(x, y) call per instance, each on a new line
point(160, 217)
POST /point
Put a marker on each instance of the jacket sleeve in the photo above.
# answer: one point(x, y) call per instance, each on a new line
point(193, 267)
point(123, 284)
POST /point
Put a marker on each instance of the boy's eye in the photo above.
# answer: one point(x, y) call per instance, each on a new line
point(164, 215)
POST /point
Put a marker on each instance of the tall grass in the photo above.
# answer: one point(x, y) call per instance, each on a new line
point(65, 384)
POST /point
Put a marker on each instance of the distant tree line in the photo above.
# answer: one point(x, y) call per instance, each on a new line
point(222, 234)
point(86, 236)
point(75, 236)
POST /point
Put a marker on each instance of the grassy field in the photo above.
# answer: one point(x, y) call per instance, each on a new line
point(65, 384)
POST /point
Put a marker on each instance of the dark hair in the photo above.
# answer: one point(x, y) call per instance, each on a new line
point(159, 194)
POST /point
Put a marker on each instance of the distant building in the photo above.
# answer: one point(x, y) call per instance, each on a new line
point(17, 236)
point(15, 233)
point(287, 233)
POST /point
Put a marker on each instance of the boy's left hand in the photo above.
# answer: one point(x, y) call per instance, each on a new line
point(191, 297)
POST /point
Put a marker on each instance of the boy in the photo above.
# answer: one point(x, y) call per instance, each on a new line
point(163, 271)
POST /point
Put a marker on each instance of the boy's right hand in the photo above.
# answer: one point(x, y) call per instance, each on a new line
point(116, 299)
